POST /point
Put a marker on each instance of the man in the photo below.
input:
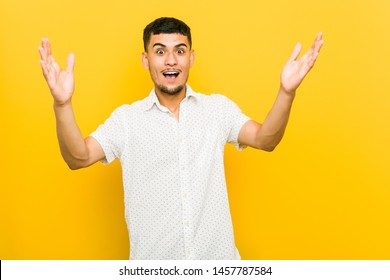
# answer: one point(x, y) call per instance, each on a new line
point(171, 145)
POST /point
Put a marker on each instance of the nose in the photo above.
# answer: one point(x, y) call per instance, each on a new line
point(170, 59)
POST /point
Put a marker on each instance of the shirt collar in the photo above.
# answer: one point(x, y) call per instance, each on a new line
point(153, 100)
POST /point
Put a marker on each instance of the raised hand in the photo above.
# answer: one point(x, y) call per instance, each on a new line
point(60, 82)
point(295, 70)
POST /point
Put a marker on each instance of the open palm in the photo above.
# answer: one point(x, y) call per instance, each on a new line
point(295, 70)
point(60, 82)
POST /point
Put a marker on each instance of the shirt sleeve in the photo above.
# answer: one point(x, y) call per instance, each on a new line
point(110, 136)
point(234, 121)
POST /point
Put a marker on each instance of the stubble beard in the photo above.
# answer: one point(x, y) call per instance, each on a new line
point(173, 91)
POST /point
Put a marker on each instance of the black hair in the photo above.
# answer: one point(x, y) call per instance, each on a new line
point(167, 25)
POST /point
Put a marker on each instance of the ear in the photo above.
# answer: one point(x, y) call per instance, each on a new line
point(192, 57)
point(145, 61)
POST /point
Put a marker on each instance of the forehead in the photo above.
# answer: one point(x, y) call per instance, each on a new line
point(168, 39)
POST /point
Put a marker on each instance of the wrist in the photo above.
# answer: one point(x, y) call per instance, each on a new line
point(290, 94)
point(62, 104)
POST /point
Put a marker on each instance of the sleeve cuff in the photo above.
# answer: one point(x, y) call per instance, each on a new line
point(240, 123)
point(109, 157)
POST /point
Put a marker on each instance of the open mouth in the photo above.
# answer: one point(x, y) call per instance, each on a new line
point(171, 74)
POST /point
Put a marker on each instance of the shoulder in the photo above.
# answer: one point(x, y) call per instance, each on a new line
point(217, 97)
point(220, 101)
point(132, 108)
point(216, 102)
point(213, 98)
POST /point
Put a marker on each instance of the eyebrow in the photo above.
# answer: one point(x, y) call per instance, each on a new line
point(164, 46)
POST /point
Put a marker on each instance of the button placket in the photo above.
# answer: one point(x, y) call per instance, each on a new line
point(184, 181)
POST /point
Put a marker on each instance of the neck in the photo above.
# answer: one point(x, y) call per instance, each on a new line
point(171, 102)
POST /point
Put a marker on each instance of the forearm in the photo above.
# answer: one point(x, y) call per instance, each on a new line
point(72, 144)
point(274, 125)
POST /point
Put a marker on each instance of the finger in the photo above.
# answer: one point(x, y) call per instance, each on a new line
point(48, 47)
point(54, 64)
point(296, 51)
point(318, 42)
point(48, 53)
point(70, 63)
point(312, 54)
point(47, 56)
point(318, 37)
point(45, 44)
point(43, 49)
point(45, 70)
point(53, 68)
point(41, 52)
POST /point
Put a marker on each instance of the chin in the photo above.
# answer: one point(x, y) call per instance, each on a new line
point(171, 91)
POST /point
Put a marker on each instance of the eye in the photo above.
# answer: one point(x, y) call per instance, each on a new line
point(180, 51)
point(160, 52)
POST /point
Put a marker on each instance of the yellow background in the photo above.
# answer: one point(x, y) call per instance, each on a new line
point(323, 194)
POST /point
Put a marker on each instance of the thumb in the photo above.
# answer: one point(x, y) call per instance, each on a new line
point(70, 63)
point(296, 51)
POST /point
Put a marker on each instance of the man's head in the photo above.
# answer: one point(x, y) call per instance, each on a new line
point(168, 55)
point(166, 25)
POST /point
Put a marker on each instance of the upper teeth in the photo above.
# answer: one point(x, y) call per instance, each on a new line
point(170, 73)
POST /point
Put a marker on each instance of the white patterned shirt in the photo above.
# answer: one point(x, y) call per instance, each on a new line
point(176, 202)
